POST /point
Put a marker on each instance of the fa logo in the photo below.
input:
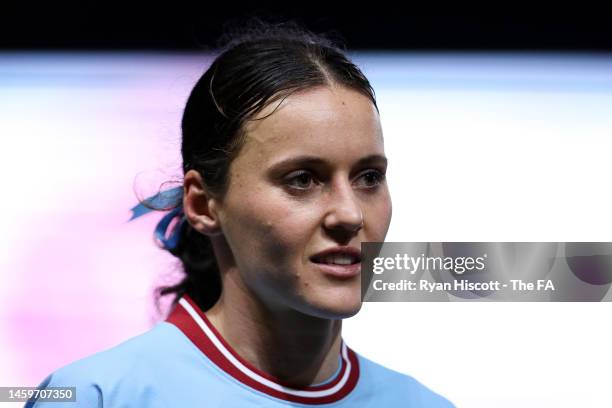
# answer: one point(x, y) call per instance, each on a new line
point(545, 284)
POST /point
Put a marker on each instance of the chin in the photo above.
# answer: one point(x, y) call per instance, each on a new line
point(335, 309)
point(346, 313)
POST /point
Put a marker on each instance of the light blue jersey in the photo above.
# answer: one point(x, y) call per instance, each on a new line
point(184, 362)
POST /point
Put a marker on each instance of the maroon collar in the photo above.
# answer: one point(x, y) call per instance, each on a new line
point(188, 317)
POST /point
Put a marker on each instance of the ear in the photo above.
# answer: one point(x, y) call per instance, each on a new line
point(199, 206)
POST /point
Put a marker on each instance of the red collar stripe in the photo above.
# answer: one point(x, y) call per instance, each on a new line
point(196, 326)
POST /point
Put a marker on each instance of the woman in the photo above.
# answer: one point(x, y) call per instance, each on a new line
point(284, 177)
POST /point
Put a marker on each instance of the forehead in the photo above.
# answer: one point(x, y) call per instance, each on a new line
point(336, 122)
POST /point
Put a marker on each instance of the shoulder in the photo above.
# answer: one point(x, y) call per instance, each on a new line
point(124, 369)
point(400, 386)
point(129, 357)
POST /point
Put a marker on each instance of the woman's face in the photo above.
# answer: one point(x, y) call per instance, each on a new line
point(309, 177)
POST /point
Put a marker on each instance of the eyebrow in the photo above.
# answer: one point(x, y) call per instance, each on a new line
point(314, 160)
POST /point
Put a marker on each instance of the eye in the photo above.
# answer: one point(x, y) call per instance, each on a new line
point(371, 178)
point(301, 180)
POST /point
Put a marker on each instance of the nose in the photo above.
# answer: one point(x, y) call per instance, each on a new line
point(344, 213)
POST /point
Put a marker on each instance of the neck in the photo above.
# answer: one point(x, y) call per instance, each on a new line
point(294, 347)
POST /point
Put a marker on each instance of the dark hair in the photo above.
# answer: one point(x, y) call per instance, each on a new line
point(257, 65)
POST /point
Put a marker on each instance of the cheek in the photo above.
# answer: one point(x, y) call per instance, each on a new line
point(269, 239)
point(286, 235)
point(379, 218)
point(268, 229)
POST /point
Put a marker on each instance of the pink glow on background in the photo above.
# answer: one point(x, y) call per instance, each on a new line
point(84, 132)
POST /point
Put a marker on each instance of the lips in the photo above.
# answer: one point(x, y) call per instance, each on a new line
point(337, 259)
point(338, 256)
point(338, 262)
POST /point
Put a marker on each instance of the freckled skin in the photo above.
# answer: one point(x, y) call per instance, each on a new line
point(270, 233)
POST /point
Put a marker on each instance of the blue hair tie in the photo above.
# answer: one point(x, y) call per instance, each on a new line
point(163, 199)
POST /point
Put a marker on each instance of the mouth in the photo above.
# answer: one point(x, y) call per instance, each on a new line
point(342, 263)
point(336, 259)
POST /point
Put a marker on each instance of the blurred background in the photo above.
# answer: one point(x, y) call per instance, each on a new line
point(497, 127)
